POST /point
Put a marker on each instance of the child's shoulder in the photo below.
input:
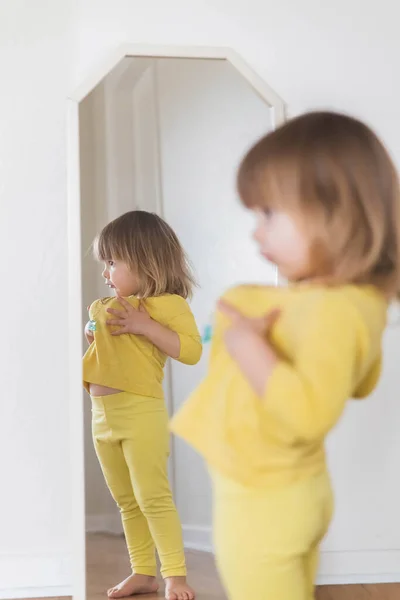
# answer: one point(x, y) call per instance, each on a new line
point(167, 307)
point(308, 298)
point(347, 296)
point(101, 304)
point(170, 302)
point(243, 294)
point(106, 301)
point(312, 301)
point(97, 305)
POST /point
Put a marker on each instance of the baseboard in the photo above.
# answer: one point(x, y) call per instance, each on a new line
point(107, 523)
point(35, 592)
point(45, 576)
point(35, 576)
point(197, 537)
point(371, 566)
point(376, 566)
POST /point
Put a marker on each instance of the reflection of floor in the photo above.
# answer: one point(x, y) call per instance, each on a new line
point(107, 564)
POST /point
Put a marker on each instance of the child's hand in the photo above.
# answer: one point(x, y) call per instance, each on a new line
point(88, 333)
point(242, 326)
point(247, 342)
point(129, 319)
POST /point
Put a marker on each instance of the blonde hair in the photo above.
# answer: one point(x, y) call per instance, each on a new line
point(149, 246)
point(334, 174)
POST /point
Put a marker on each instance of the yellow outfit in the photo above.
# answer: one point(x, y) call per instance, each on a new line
point(130, 429)
point(272, 493)
point(131, 362)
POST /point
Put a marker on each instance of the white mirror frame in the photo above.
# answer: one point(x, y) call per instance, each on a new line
point(75, 349)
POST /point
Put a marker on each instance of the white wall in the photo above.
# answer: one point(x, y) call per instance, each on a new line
point(343, 55)
point(34, 446)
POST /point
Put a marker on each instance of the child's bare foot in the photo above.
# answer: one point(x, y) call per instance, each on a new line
point(176, 588)
point(134, 585)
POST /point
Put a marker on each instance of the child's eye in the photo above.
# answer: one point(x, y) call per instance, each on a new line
point(110, 263)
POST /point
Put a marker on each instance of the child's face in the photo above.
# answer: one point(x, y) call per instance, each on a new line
point(282, 242)
point(120, 278)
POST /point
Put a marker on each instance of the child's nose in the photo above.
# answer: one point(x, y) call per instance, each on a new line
point(106, 274)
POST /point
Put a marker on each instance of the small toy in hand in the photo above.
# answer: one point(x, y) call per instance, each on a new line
point(207, 334)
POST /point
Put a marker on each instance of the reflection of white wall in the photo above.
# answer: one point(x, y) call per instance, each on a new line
point(100, 507)
point(205, 115)
point(208, 117)
point(113, 165)
point(117, 167)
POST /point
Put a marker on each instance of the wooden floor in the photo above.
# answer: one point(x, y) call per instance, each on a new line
point(107, 564)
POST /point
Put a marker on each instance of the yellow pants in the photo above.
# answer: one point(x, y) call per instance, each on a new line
point(267, 540)
point(131, 439)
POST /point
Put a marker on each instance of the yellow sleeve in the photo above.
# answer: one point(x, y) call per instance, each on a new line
point(370, 381)
point(191, 347)
point(307, 396)
point(100, 305)
point(94, 309)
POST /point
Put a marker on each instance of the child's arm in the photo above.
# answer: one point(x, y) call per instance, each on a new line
point(88, 333)
point(190, 345)
point(170, 342)
point(138, 322)
point(306, 396)
point(246, 342)
point(163, 338)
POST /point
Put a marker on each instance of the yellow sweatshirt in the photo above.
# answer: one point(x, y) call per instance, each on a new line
point(329, 344)
point(131, 363)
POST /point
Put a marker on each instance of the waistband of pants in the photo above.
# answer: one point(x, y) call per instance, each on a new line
point(125, 400)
